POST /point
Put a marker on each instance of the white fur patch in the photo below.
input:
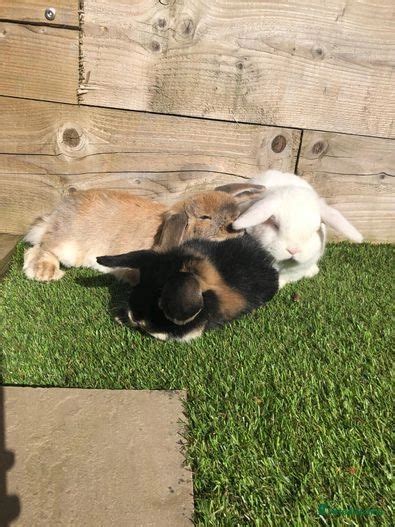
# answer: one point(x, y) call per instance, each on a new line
point(195, 333)
point(34, 236)
point(90, 261)
point(160, 336)
point(183, 322)
point(92, 264)
point(68, 254)
point(314, 269)
point(29, 273)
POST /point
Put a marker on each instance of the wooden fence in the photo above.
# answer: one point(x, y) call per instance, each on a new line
point(165, 97)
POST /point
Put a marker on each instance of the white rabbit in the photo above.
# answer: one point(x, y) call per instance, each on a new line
point(290, 223)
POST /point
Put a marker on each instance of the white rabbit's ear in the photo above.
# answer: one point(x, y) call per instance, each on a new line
point(337, 221)
point(256, 214)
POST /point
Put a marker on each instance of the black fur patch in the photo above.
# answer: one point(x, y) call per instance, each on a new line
point(243, 265)
point(181, 299)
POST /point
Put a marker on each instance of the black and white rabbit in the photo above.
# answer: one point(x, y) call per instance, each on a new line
point(197, 286)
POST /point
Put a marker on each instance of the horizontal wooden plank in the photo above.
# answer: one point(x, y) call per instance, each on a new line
point(38, 62)
point(357, 174)
point(319, 65)
point(66, 11)
point(7, 246)
point(24, 198)
point(45, 148)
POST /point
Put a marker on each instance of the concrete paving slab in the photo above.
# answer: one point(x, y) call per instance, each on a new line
point(96, 458)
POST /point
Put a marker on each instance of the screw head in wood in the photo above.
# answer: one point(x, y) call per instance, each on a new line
point(279, 143)
point(50, 13)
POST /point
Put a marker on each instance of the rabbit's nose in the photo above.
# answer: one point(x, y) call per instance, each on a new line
point(293, 250)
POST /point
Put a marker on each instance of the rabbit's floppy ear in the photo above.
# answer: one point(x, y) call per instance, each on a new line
point(243, 191)
point(337, 221)
point(258, 213)
point(134, 259)
point(181, 299)
point(173, 230)
point(245, 194)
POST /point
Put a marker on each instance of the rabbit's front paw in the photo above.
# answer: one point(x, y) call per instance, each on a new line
point(41, 265)
point(47, 271)
point(312, 271)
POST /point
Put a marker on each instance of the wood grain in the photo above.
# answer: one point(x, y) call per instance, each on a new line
point(46, 148)
point(7, 246)
point(306, 64)
point(357, 175)
point(38, 62)
point(25, 197)
point(34, 11)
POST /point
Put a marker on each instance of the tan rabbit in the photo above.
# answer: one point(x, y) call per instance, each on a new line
point(87, 224)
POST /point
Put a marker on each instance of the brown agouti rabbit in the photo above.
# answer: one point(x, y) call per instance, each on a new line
point(87, 224)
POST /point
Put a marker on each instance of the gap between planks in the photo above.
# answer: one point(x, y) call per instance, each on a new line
point(33, 23)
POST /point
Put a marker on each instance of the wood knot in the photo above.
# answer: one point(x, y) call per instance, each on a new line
point(278, 144)
point(239, 65)
point(162, 23)
point(319, 147)
point(187, 27)
point(71, 140)
point(71, 137)
point(155, 46)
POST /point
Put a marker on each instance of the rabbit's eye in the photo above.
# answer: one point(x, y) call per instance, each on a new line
point(205, 217)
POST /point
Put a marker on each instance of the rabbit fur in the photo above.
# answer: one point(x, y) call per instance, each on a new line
point(197, 286)
point(86, 224)
point(290, 223)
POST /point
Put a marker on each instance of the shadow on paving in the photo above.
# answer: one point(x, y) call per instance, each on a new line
point(10, 505)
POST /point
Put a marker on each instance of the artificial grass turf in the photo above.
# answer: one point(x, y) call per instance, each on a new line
point(288, 408)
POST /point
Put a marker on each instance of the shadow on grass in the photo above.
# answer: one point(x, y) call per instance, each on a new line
point(119, 294)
